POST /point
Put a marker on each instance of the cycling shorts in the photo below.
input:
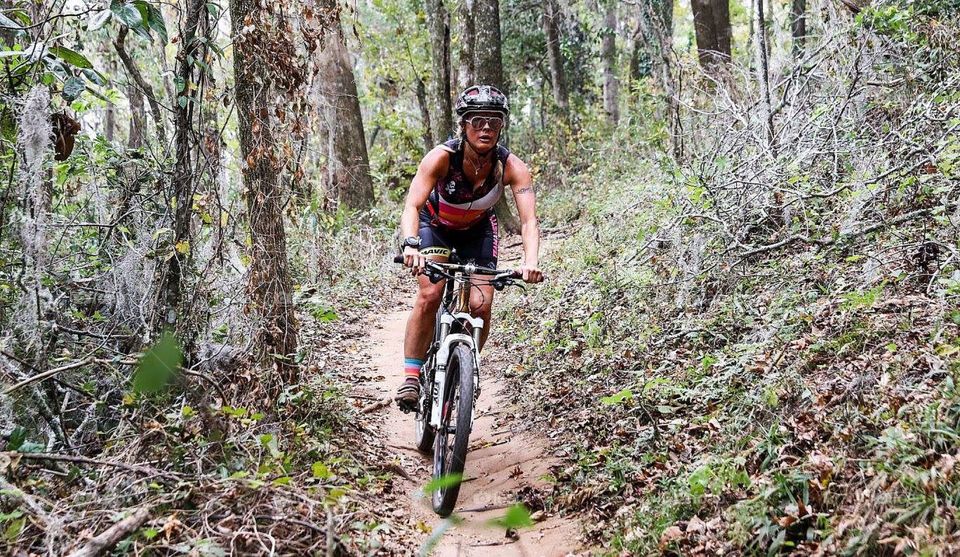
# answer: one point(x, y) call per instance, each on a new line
point(478, 244)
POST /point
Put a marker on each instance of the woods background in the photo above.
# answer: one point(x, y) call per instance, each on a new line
point(748, 342)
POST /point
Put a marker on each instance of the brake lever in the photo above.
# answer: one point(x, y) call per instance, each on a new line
point(500, 284)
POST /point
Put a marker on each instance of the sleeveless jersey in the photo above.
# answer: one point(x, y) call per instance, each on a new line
point(454, 202)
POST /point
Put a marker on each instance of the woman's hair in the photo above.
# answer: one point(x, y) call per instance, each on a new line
point(462, 133)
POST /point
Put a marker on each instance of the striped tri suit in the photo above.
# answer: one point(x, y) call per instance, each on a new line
point(458, 216)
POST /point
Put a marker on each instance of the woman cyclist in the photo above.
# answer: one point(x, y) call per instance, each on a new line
point(450, 207)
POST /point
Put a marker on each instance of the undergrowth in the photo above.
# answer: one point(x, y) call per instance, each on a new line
point(220, 471)
point(757, 352)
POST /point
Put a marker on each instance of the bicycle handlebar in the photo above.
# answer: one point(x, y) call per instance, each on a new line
point(447, 268)
point(500, 278)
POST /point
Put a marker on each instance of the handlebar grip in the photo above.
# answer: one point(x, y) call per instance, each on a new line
point(398, 259)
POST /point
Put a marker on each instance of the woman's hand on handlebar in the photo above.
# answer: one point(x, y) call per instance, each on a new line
point(413, 259)
point(531, 273)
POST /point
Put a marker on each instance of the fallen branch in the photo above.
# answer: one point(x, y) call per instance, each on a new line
point(494, 544)
point(46, 374)
point(374, 406)
point(283, 519)
point(396, 469)
point(28, 501)
point(402, 448)
point(112, 535)
point(147, 470)
point(846, 236)
point(485, 508)
point(487, 444)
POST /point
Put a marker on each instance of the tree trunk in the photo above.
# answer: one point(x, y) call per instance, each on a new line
point(653, 38)
point(798, 26)
point(656, 34)
point(349, 167)
point(711, 22)
point(487, 52)
point(427, 136)
point(138, 117)
point(763, 78)
point(269, 286)
point(551, 20)
point(488, 65)
point(438, 20)
point(145, 88)
point(641, 55)
point(467, 35)
point(110, 123)
point(182, 182)
point(608, 55)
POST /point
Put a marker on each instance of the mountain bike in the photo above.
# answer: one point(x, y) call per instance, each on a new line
point(450, 376)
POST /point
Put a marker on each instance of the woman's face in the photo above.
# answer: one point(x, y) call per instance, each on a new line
point(482, 129)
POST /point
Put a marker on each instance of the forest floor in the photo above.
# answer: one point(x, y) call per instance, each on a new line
point(507, 461)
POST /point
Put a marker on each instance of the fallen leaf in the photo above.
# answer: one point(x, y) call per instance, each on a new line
point(670, 535)
point(696, 525)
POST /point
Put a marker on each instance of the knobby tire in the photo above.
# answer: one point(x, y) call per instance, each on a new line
point(450, 459)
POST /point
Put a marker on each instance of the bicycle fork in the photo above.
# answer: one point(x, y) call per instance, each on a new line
point(447, 344)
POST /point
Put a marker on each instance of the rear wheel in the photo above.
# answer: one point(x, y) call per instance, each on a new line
point(453, 436)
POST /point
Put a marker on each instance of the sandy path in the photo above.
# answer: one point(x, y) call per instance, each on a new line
point(500, 463)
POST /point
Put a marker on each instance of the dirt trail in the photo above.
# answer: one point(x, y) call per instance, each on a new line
point(500, 463)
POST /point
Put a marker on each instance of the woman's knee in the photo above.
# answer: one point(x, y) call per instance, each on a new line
point(481, 304)
point(429, 295)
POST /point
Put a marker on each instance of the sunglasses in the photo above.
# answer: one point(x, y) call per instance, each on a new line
point(480, 122)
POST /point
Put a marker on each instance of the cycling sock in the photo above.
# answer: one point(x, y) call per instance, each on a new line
point(411, 367)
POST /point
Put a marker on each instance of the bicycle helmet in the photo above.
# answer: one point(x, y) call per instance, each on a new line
point(482, 97)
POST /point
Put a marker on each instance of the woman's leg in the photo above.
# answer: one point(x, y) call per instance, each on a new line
point(481, 305)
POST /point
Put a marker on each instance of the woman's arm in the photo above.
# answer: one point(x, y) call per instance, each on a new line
point(433, 167)
point(518, 176)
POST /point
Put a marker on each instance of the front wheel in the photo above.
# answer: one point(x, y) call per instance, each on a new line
point(453, 435)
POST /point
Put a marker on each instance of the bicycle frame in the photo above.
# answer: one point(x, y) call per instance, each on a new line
point(454, 308)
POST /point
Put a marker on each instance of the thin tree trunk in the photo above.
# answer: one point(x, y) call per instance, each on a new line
point(182, 182)
point(347, 152)
point(608, 55)
point(424, 115)
point(438, 21)
point(763, 77)
point(798, 26)
point(656, 30)
point(711, 22)
point(652, 41)
point(145, 87)
point(110, 122)
point(268, 284)
point(551, 18)
point(138, 117)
